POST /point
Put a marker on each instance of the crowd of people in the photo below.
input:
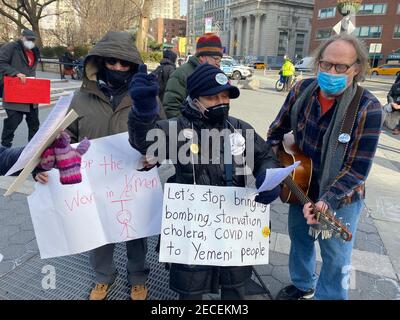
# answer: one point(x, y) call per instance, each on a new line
point(119, 95)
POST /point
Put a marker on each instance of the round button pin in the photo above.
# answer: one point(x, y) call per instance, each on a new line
point(344, 138)
point(194, 148)
point(221, 79)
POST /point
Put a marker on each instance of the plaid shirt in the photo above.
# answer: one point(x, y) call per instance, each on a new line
point(349, 185)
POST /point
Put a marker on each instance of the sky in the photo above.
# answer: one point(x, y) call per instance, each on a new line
point(183, 7)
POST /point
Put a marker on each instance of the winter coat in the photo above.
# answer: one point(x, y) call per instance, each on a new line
point(13, 60)
point(8, 156)
point(163, 73)
point(192, 279)
point(176, 92)
point(97, 117)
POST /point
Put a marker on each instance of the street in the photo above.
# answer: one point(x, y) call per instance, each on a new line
point(375, 272)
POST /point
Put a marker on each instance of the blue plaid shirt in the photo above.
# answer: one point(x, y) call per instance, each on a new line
point(349, 185)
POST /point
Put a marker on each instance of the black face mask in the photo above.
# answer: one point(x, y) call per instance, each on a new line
point(118, 78)
point(216, 114)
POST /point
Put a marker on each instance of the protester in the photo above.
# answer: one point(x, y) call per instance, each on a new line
point(206, 108)
point(315, 110)
point(393, 105)
point(19, 59)
point(103, 105)
point(68, 59)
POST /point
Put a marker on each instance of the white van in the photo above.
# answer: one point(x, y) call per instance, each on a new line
point(306, 64)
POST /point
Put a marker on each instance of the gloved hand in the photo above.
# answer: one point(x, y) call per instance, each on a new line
point(143, 90)
point(67, 160)
point(266, 197)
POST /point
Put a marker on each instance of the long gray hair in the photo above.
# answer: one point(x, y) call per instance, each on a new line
point(359, 46)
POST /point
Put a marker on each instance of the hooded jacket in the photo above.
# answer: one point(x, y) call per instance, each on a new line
point(97, 117)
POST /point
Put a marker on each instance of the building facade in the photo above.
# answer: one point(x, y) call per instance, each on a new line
point(195, 23)
point(167, 9)
point(377, 22)
point(270, 28)
point(164, 30)
point(219, 12)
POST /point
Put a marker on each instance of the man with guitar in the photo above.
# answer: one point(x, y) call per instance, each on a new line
point(336, 124)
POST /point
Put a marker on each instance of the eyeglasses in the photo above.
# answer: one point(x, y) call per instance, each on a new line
point(340, 68)
point(216, 58)
point(114, 61)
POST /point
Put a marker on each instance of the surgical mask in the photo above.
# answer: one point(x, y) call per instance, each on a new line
point(28, 44)
point(332, 84)
point(118, 78)
point(215, 114)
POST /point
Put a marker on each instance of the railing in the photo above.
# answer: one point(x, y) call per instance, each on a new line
point(42, 62)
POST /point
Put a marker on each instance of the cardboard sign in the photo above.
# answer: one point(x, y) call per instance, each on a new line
point(34, 91)
point(208, 225)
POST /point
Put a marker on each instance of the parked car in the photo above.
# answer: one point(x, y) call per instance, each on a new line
point(306, 64)
point(257, 65)
point(386, 69)
point(234, 70)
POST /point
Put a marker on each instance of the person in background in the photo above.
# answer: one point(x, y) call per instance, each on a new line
point(19, 59)
point(208, 50)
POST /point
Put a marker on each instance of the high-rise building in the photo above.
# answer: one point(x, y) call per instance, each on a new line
point(377, 22)
point(166, 9)
point(219, 13)
point(195, 23)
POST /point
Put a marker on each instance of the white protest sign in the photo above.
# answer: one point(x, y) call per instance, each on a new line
point(113, 203)
point(273, 177)
point(208, 225)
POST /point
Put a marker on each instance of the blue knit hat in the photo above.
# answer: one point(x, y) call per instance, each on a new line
point(208, 80)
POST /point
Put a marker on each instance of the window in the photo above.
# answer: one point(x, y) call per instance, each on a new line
point(366, 9)
point(368, 32)
point(326, 13)
point(298, 51)
point(323, 34)
point(283, 41)
point(397, 32)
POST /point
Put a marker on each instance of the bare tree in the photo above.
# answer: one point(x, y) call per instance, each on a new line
point(25, 13)
point(96, 17)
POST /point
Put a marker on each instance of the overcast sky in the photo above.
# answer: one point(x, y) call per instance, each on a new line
point(183, 7)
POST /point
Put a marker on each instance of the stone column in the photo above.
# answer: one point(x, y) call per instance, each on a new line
point(239, 36)
point(232, 38)
point(247, 40)
point(257, 26)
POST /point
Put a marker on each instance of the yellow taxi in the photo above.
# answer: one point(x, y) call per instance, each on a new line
point(386, 69)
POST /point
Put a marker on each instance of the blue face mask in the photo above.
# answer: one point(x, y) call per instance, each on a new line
point(332, 83)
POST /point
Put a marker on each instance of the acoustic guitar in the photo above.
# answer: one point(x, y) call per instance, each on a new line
point(295, 188)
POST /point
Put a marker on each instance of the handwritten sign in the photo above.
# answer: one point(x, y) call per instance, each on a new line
point(207, 225)
point(114, 202)
point(34, 91)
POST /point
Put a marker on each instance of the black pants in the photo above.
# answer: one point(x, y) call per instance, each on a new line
point(227, 293)
point(14, 118)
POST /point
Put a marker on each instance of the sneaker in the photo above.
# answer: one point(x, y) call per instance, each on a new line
point(100, 291)
point(139, 292)
point(292, 293)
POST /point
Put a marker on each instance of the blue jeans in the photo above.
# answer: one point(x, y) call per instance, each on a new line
point(335, 253)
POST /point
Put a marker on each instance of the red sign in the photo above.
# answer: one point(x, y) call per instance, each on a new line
point(34, 91)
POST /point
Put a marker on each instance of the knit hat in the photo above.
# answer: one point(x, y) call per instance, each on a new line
point(208, 80)
point(170, 55)
point(209, 44)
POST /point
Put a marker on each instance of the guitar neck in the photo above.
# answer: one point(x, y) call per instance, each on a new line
point(327, 216)
point(297, 191)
